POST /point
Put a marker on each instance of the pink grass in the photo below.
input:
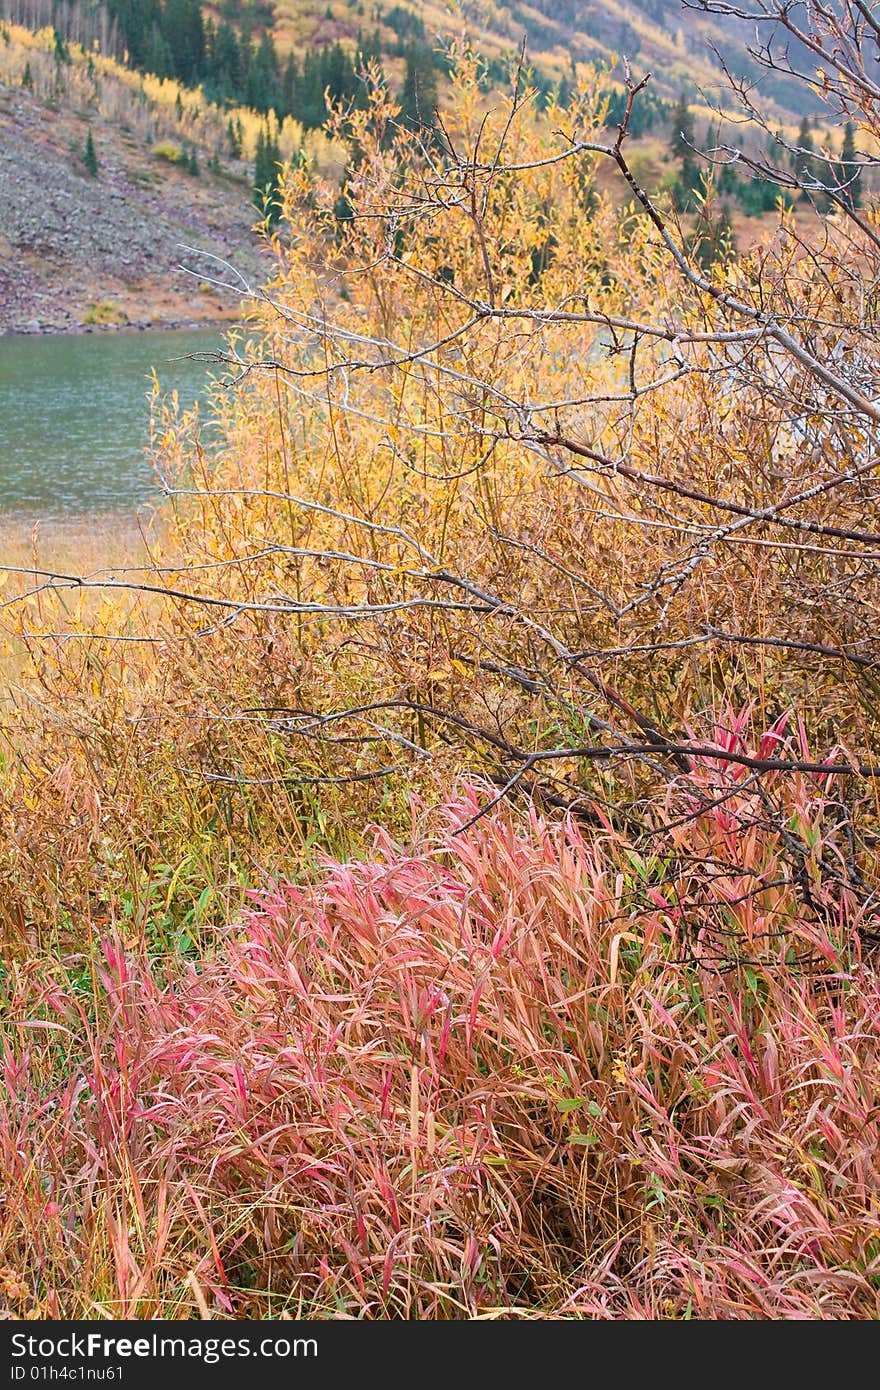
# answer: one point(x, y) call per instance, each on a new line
point(508, 1069)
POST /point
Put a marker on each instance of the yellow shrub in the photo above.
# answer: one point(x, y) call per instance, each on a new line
point(471, 497)
point(172, 154)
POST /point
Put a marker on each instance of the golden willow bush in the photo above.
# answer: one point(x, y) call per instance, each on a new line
point(505, 471)
point(503, 478)
point(499, 479)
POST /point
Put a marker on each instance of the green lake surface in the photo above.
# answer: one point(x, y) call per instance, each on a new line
point(74, 416)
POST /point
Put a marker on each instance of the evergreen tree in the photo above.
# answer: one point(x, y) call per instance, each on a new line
point(326, 72)
point(802, 160)
point(312, 107)
point(727, 181)
point(849, 171)
point(184, 32)
point(138, 22)
point(758, 196)
point(645, 112)
point(340, 75)
point(713, 241)
point(290, 89)
point(682, 144)
point(210, 39)
point(804, 139)
point(224, 64)
point(369, 49)
point(263, 88)
point(27, 77)
point(158, 57)
point(683, 137)
point(90, 158)
point(419, 96)
point(61, 51)
point(266, 175)
point(245, 58)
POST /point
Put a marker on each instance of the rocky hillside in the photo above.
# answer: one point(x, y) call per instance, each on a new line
point(81, 249)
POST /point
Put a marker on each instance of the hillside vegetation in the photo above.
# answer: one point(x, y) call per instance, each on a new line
point(442, 881)
point(166, 176)
point(130, 132)
point(193, 40)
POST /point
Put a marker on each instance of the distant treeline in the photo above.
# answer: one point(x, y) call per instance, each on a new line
point(86, 22)
point(234, 57)
point(235, 60)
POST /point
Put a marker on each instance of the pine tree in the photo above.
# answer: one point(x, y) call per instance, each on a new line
point(419, 96)
point(27, 77)
point(812, 172)
point(313, 108)
point(225, 72)
point(682, 144)
point(62, 52)
point(266, 175)
point(727, 180)
point(683, 137)
point(713, 239)
point(90, 158)
point(804, 137)
point(290, 89)
point(802, 156)
point(158, 57)
point(849, 172)
point(263, 87)
point(184, 31)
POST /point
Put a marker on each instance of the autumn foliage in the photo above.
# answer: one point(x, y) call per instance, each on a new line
point(517, 531)
point(496, 1069)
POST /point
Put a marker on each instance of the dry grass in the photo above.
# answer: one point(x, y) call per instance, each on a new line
point(72, 544)
point(31, 550)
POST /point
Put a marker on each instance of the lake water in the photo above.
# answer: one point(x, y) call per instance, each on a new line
point(74, 416)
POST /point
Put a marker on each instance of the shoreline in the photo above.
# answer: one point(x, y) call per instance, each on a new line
point(146, 325)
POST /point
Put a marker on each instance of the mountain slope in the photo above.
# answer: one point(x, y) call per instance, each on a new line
point(81, 250)
point(663, 37)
